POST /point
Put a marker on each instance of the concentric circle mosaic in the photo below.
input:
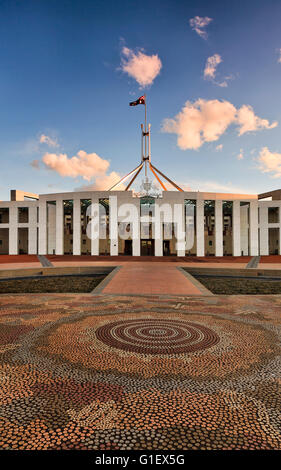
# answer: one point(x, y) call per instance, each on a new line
point(157, 336)
point(121, 373)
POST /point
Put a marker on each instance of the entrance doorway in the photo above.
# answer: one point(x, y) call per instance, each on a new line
point(166, 248)
point(4, 241)
point(273, 240)
point(23, 241)
point(128, 248)
point(147, 247)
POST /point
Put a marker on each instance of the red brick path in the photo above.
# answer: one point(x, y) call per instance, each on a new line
point(143, 278)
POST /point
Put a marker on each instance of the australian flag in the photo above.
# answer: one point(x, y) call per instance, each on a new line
point(140, 100)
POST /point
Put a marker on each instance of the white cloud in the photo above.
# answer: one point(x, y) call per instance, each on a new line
point(211, 66)
point(45, 139)
point(248, 121)
point(103, 183)
point(240, 156)
point(210, 71)
point(222, 84)
point(269, 162)
point(279, 58)
point(206, 120)
point(219, 147)
point(142, 67)
point(203, 121)
point(199, 23)
point(86, 165)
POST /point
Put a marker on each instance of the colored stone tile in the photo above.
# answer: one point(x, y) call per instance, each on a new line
point(116, 372)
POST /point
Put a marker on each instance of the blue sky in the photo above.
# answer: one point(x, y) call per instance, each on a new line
point(61, 82)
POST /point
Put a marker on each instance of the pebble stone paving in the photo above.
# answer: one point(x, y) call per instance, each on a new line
point(120, 373)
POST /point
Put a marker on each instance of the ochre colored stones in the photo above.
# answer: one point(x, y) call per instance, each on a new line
point(117, 372)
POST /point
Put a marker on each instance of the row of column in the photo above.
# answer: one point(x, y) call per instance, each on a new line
point(113, 210)
point(236, 228)
point(264, 231)
point(14, 233)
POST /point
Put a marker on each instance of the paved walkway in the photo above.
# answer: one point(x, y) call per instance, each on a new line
point(150, 278)
point(253, 263)
point(44, 261)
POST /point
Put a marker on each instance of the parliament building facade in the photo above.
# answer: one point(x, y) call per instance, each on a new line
point(224, 224)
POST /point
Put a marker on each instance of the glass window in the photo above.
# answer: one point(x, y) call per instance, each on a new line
point(23, 215)
point(273, 215)
point(4, 215)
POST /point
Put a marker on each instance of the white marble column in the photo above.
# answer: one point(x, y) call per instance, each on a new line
point(180, 228)
point(218, 228)
point(113, 226)
point(13, 230)
point(136, 229)
point(200, 242)
point(158, 229)
point(244, 230)
point(254, 238)
point(51, 228)
point(32, 231)
point(76, 227)
point(94, 227)
point(42, 249)
point(189, 213)
point(236, 229)
point(59, 227)
point(264, 242)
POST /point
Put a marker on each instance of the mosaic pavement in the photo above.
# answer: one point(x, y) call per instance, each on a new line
point(109, 372)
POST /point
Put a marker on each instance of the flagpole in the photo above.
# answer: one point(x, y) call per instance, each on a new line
point(142, 143)
point(145, 113)
point(146, 155)
point(149, 149)
point(145, 120)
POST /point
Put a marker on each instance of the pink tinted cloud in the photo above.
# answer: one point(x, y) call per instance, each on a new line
point(199, 122)
point(199, 23)
point(142, 67)
point(211, 66)
point(248, 121)
point(104, 182)
point(87, 165)
point(45, 139)
point(210, 71)
point(269, 162)
point(207, 120)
